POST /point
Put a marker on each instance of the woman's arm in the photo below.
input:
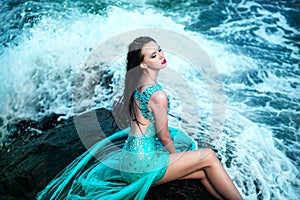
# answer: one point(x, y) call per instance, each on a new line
point(158, 105)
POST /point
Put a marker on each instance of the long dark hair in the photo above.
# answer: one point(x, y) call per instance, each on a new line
point(124, 111)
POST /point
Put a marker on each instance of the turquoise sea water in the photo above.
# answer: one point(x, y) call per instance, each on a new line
point(253, 44)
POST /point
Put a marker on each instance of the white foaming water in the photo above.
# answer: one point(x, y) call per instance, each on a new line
point(39, 78)
point(255, 163)
point(271, 28)
point(39, 73)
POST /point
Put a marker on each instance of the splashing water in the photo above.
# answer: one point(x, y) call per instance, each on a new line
point(253, 45)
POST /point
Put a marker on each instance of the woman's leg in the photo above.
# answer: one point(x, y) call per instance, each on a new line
point(205, 182)
point(186, 163)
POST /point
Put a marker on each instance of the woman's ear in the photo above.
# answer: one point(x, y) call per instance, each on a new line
point(143, 65)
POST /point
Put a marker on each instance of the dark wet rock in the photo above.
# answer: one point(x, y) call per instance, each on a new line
point(31, 162)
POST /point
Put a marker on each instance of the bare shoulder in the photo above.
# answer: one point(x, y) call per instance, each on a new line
point(159, 97)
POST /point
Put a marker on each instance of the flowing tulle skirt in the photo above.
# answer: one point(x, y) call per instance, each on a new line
point(98, 173)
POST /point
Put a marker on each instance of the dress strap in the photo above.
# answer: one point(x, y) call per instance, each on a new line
point(144, 99)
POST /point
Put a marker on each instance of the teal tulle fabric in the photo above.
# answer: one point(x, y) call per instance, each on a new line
point(101, 173)
point(116, 167)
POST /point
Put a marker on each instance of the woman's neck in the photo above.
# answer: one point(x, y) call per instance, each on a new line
point(149, 77)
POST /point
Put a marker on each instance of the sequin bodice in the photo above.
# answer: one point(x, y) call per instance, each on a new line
point(140, 144)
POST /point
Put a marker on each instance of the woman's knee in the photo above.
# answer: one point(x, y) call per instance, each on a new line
point(208, 154)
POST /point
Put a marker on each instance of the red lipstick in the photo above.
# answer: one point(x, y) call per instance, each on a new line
point(164, 62)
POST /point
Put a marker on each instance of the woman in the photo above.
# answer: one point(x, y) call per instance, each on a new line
point(153, 153)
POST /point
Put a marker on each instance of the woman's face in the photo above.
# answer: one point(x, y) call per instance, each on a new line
point(154, 57)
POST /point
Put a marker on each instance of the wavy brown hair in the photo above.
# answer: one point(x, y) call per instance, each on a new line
point(124, 110)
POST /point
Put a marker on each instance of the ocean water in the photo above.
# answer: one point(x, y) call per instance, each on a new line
point(253, 44)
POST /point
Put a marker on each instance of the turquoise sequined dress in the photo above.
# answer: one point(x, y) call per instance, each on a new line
point(120, 173)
